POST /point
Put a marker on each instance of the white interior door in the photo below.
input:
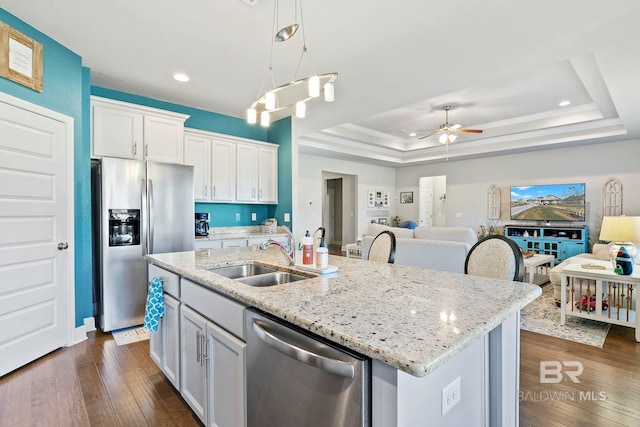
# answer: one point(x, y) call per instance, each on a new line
point(36, 258)
point(426, 206)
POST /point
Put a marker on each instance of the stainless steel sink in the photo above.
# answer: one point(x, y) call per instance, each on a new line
point(272, 279)
point(241, 271)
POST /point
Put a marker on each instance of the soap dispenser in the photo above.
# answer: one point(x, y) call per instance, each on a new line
point(322, 255)
point(307, 249)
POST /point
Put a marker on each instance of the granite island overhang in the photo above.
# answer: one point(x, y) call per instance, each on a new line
point(409, 319)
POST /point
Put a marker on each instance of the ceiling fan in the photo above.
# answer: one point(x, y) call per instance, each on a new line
point(448, 132)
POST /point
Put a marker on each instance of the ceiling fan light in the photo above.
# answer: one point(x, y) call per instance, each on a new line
point(270, 100)
point(301, 109)
point(314, 86)
point(452, 137)
point(443, 138)
point(252, 116)
point(264, 119)
point(329, 93)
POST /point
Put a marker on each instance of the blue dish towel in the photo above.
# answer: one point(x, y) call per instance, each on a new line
point(154, 308)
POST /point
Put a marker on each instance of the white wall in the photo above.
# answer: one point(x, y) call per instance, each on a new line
point(310, 191)
point(469, 180)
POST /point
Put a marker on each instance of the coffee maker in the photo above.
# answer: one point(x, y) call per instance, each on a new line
point(202, 223)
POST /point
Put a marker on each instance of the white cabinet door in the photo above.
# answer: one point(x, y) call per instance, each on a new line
point(197, 152)
point(226, 360)
point(117, 133)
point(247, 173)
point(192, 371)
point(268, 178)
point(171, 340)
point(163, 139)
point(156, 349)
point(223, 170)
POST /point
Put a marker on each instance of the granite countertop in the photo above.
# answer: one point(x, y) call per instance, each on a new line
point(231, 233)
point(409, 318)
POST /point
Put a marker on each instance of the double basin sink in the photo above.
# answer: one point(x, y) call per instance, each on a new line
point(257, 275)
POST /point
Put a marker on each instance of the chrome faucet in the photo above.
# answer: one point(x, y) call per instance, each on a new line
point(289, 250)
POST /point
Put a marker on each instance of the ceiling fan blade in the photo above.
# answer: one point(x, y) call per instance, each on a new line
point(469, 130)
point(429, 134)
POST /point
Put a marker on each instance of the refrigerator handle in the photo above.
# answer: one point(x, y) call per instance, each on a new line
point(143, 223)
point(150, 215)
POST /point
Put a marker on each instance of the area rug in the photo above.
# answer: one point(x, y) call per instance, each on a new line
point(543, 317)
point(130, 335)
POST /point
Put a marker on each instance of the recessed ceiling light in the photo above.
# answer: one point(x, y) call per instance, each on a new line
point(564, 103)
point(412, 134)
point(181, 77)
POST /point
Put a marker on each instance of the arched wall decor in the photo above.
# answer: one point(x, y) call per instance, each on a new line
point(612, 198)
point(493, 202)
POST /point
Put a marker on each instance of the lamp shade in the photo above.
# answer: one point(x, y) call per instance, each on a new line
point(620, 228)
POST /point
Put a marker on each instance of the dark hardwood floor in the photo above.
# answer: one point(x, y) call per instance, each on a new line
point(94, 383)
point(97, 383)
point(608, 393)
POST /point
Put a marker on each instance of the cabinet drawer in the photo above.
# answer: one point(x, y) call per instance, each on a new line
point(234, 243)
point(217, 308)
point(208, 244)
point(170, 281)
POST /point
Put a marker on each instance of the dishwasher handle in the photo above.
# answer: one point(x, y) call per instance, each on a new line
point(333, 366)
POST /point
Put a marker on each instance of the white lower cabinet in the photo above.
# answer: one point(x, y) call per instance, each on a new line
point(164, 345)
point(213, 361)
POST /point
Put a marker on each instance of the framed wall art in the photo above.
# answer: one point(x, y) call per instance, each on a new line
point(406, 197)
point(20, 58)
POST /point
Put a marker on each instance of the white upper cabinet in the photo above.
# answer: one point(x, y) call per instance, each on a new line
point(268, 175)
point(197, 152)
point(130, 131)
point(231, 169)
point(257, 174)
point(247, 173)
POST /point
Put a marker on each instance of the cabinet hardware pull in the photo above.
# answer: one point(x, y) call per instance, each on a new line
point(198, 348)
point(63, 246)
point(205, 190)
point(135, 148)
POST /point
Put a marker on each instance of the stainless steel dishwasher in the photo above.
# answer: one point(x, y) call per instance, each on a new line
point(297, 379)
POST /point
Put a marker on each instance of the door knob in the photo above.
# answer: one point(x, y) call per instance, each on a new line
point(62, 246)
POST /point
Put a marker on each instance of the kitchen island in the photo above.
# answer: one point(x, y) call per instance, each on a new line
point(444, 346)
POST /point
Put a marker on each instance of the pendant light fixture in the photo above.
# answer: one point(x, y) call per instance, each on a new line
point(296, 93)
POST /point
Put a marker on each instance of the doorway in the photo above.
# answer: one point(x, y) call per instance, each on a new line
point(432, 201)
point(339, 210)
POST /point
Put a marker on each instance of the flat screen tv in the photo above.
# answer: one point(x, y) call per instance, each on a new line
point(561, 202)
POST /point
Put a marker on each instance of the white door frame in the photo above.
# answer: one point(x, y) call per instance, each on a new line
point(69, 176)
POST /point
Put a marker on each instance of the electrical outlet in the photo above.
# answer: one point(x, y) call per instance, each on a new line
point(237, 216)
point(253, 216)
point(450, 396)
point(287, 217)
point(458, 215)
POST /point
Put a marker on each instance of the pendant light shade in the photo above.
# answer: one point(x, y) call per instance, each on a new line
point(329, 95)
point(301, 109)
point(264, 119)
point(252, 116)
point(270, 100)
point(314, 86)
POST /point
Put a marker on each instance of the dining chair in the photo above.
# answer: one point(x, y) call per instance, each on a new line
point(497, 257)
point(383, 247)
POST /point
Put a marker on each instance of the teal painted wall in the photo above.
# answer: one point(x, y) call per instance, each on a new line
point(281, 131)
point(64, 85)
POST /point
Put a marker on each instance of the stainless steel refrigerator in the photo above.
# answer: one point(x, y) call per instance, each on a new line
point(138, 208)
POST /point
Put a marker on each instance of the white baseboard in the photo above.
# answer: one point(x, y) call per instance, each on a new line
point(81, 331)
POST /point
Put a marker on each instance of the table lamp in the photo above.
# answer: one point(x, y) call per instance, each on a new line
point(622, 230)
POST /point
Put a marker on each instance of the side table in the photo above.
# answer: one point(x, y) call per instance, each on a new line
point(588, 288)
point(537, 260)
point(354, 250)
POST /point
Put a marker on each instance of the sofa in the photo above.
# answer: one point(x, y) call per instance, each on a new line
point(600, 251)
point(435, 248)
